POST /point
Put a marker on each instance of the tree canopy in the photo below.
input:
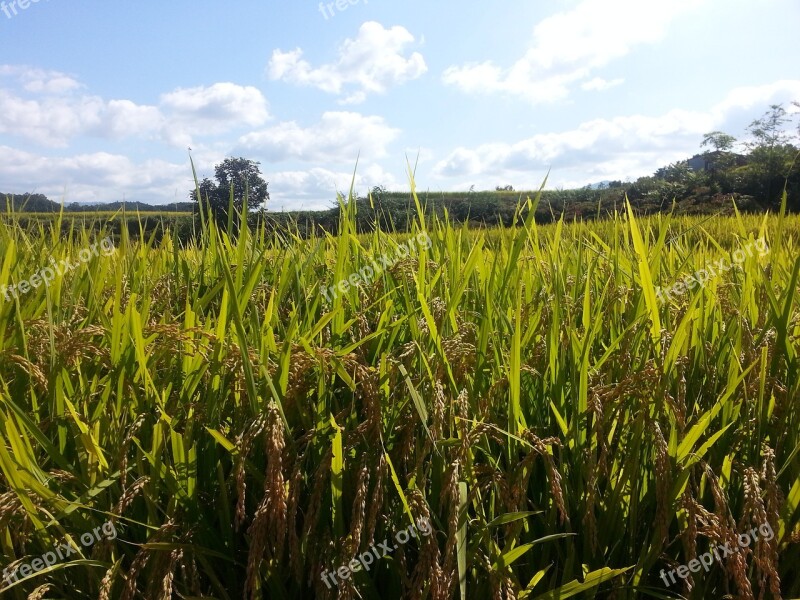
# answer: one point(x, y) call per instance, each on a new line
point(239, 177)
point(721, 142)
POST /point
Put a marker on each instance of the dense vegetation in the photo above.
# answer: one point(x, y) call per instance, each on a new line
point(39, 203)
point(523, 389)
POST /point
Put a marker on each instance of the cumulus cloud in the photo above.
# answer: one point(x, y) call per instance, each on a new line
point(591, 141)
point(462, 161)
point(123, 118)
point(370, 63)
point(738, 107)
point(40, 80)
point(45, 110)
point(217, 104)
point(94, 177)
point(598, 84)
point(54, 121)
point(50, 121)
point(615, 148)
point(569, 46)
point(316, 188)
point(36, 108)
point(337, 137)
point(211, 110)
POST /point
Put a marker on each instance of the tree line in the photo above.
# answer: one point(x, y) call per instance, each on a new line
point(754, 172)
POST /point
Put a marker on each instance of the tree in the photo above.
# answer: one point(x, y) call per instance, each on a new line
point(720, 160)
point(678, 172)
point(721, 142)
point(796, 104)
point(208, 190)
point(771, 154)
point(768, 131)
point(242, 177)
point(245, 178)
point(28, 203)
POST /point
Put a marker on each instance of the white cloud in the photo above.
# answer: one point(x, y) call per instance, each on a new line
point(370, 63)
point(45, 111)
point(39, 80)
point(616, 148)
point(338, 137)
point(124, 118)
point(568, 46)
point(598, 84)
point(462, 161)
point(316, 189)
point(53, 121)
point(218, 104)
point(50, 121)
point(373, 175)
point(592, 142)
point(95, 177)
point(745, 99)
point(211, 110)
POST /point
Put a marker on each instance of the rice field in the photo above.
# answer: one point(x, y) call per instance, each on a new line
point(525, 392)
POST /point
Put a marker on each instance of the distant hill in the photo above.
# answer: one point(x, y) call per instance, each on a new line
point(28, 203)
point(132, 207)
point(600, 185)
point(40, 203)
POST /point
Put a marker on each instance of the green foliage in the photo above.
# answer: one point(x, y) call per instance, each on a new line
point(28, 202)
point(566, 435)
point(768, 131)
point(238, 180)
point(721, 142)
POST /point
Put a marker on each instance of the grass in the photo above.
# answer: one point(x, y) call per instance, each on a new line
point(565, 434)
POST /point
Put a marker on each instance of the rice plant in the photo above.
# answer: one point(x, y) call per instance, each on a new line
point(565, 433)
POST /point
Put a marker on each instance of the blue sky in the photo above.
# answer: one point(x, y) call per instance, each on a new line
point(100, 101)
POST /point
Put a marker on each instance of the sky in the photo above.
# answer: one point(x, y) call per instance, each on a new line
point(102, 101)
